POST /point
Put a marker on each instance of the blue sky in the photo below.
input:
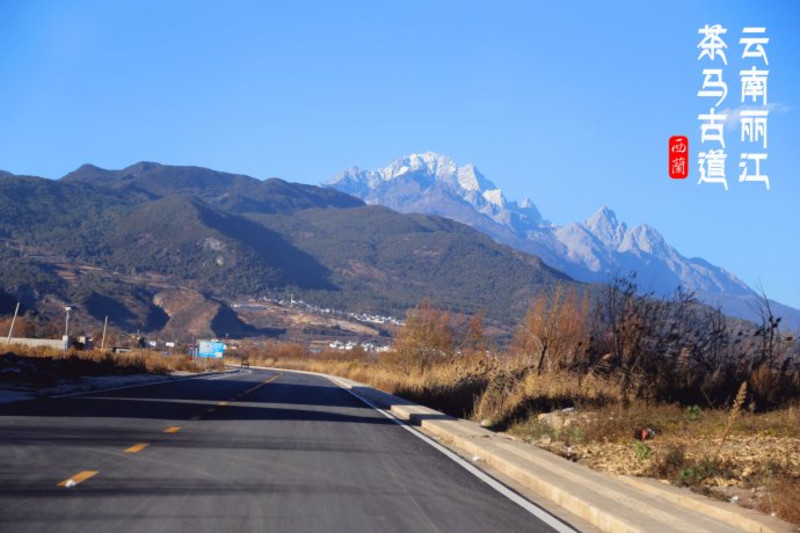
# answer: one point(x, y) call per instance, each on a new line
point(569, 103)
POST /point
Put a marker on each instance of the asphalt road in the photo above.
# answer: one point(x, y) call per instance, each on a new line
point(250, 451)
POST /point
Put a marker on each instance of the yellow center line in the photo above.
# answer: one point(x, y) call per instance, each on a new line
point(173, 429)
point(77, 478)
point(268, 380)
point(137, 447)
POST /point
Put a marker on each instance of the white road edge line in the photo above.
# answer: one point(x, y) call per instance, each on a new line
point(532, 508)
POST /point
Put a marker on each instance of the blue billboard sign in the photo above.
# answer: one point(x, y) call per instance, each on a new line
point(212, 349)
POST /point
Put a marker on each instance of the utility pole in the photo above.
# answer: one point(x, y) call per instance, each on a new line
point(66, 329)
point(105, 325)
point(11, 329)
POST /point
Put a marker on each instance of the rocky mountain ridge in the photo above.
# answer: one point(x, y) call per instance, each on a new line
point(592, 251)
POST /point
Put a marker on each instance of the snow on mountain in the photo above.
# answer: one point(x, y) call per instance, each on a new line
point(434, 184)
point(604, 225)
point(602, 245)
point(594, 250)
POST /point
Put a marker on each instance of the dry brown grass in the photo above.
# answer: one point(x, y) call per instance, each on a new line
point(450, 388)
point(45, 365)
point(515, 395)
point(751, 457)
point(782, 499)
point(471, 386)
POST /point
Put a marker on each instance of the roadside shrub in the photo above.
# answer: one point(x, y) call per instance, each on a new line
point(642, 450)
point(693, 413)
point(671, 464)
point(694, 474)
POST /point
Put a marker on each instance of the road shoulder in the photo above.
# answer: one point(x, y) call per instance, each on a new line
point(607, 503)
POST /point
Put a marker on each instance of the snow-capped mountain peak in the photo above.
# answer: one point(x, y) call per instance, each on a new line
point(600, 247)
point(470, 179)
point(645, 239)
point(494, 197)
point(604, 225)
point(420, 178)
point(436, 165)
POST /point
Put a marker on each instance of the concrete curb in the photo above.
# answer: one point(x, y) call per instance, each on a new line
point(611, 503)
point(480, 442)
point(582, 506)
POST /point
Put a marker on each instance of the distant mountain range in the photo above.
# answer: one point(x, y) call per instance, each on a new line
point(590, 251)
point(154, 247)
point(168, 248)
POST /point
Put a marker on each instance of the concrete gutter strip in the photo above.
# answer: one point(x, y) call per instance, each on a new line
point(611, 503)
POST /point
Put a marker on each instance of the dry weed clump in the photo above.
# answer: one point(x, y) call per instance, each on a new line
point(513, 395)
point(782, 499)
point(736, 408)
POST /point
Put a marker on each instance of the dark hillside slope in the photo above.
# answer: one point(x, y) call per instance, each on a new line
point(111, 241)
point(220, 252)
point(231, 192)
point(385, 261)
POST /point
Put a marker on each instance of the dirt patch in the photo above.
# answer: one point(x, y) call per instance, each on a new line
point(758, 466)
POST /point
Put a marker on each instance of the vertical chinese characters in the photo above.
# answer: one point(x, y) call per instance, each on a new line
point(711, 162)
point(753, 114)
point(753, 122)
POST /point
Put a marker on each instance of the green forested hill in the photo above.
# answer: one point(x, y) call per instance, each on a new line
point(382, 259)
point(232, 192)
point(102, 239)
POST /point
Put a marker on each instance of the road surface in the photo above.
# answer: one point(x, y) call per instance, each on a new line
point(248, 451)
